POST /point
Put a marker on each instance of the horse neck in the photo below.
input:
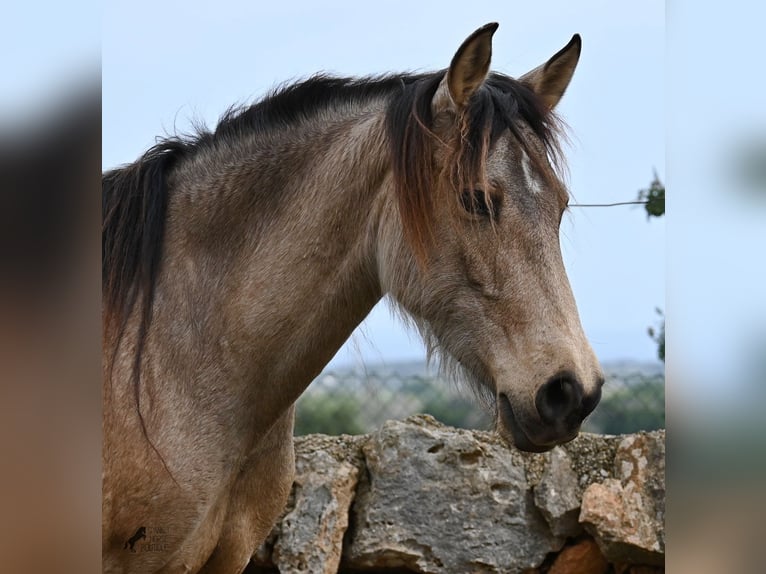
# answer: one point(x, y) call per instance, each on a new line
point(272, 251)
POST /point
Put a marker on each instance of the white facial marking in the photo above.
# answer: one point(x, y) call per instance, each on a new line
point(533, 184)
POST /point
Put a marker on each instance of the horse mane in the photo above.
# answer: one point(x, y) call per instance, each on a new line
point(134, 202)
point(134, 209)
point(135, 197)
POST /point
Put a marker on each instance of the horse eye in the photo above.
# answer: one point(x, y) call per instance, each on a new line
point(475, 202)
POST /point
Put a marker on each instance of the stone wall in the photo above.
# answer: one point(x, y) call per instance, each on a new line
point(417, 496)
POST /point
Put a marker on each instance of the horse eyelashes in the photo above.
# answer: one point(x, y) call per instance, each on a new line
point(475, 201)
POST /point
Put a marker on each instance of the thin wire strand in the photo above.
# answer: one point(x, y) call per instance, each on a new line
point(608, 204)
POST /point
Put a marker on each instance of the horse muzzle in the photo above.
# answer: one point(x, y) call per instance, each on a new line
point(560, 406)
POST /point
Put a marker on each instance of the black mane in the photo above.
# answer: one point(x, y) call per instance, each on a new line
point(290, 104)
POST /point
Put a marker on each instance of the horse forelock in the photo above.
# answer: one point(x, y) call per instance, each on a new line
point(501, 104)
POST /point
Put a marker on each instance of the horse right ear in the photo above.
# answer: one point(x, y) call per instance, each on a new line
point(467, 71)
point(550, 80)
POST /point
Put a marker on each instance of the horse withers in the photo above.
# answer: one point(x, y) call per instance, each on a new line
point(236, 262)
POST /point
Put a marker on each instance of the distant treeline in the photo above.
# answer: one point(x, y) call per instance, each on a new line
point(350, 404)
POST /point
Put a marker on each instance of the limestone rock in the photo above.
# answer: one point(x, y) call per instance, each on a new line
point(558, 495)
point(422, 497)
point(309, 536)
point(626, 514)
point(438, 499)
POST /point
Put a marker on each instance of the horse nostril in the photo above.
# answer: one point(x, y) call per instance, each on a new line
point(557, 399)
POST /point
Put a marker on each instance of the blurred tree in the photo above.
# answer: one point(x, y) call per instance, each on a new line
point(659, 336)
point(750, 166)
point(654, 197)
point(631, 402)
point(328, 413)
point(350, 408)
point(636, 403)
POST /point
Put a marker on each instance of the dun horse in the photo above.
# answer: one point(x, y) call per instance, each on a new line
point(236, 262)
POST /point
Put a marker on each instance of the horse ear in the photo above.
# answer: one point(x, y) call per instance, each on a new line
point(467, 71)
point(550, 80)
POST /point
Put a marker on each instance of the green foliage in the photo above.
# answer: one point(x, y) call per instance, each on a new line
point(353, 407)
point(328, 413)
point(444, 403)
point(654, 198)
point(350, 405)
point(639, 404)
point(659, 336)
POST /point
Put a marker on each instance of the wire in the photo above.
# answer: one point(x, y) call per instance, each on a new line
point(608, 204)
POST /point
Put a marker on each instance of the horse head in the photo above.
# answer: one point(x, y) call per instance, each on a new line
point(480, 270)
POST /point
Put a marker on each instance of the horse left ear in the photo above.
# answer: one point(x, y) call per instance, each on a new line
point(467, 71)
point(550, 80)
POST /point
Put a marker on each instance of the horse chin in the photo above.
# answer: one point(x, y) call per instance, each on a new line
point(512, 431)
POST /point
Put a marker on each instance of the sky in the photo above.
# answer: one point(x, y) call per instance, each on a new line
point(189, 62)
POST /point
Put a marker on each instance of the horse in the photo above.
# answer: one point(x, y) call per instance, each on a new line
point(237, 261)
point(139, 535)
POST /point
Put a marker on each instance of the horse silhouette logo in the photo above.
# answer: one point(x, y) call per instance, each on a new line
point(140, 533)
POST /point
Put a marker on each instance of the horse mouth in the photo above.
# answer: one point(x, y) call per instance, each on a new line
point(510, 424)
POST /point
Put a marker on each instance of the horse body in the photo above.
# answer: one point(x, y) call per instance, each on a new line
point(278, 234)
point(229, 354)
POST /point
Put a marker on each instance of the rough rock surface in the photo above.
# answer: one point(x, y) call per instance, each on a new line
point(309, 536)
point(558, 495)
point(626, 514)
point(438, 499)
point(418, 496)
